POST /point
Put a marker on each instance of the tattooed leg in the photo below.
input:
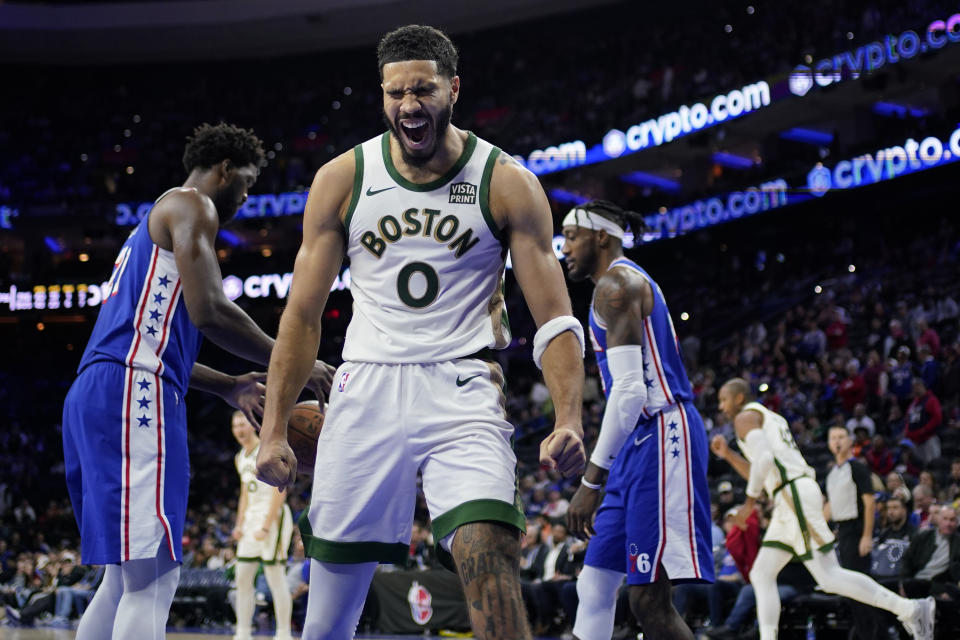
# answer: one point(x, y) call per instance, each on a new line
point(487, 555)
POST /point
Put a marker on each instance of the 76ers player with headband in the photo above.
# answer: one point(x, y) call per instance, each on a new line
point(654, 521)
point(124, 420)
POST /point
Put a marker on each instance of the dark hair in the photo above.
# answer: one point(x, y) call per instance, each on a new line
point(418, 42)
point(211, 144)
point(618, 215)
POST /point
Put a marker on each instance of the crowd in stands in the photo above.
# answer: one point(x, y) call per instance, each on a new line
point(875, 351)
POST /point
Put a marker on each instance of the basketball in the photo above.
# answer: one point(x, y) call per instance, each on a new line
point(303, 429)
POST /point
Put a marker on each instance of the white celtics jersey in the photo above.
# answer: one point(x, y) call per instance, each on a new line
point(426, 260)
point(788, 462)
point(258, 493)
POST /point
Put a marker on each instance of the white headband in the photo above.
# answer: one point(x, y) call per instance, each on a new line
point(576, 218)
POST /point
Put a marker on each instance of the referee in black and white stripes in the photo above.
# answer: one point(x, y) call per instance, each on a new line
point(850, 503)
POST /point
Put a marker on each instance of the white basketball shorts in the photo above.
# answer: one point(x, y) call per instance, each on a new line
point(384, 423)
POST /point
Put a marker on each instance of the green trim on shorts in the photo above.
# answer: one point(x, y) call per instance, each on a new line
point(276, 546)
point(253, 559)
point(349, 552)
point(355, 552)
point(798, 558)
point(802, 521)
point(785, 547)
point(828, 547)
point(482, 510)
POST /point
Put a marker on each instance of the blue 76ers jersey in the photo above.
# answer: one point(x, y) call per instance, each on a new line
point(663, 370)
point(143, 323)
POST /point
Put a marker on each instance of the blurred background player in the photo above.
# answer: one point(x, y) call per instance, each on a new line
point(652, 449)
point(771, 461)
point(425, 212)
point(124, 419)
point(263, 531)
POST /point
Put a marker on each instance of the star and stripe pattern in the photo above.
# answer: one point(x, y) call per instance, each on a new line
point(143, 448)
point(667, 390)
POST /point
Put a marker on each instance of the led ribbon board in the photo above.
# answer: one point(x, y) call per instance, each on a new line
point(875, 55)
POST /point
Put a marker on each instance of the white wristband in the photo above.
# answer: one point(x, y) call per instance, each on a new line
point(551, 330)
point(590, 485)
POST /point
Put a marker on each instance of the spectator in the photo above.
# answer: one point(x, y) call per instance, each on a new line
point(898, 525)
point(861, 441)
point(422, 554)
point(814, 342)
point(533, 552)
point(837, 332)
point(931, 564)
point(725, 496)
point(901, 377)
point(853, 390)
point(926, 477)
point(875, 379)
point(24, 513)
point(72, 601)
point(879, 457)
point(560, 565)
point(861, 419)
point(929, 367)
point(952, 488)
point(923, 419)
point(895, 340)
point(556, 506)
point(929, 338)
point(922, 501)
point(887, 556)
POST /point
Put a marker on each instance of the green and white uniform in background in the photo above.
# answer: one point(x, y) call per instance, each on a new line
point(796, 524)
point(276, 545)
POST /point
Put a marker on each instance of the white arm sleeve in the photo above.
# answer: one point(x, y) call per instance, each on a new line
point(626, 400)
point(762, 462)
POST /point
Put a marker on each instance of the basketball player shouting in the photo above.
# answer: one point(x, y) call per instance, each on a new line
point(124, 420)
point(654, 522)
point(797, 528)
point(263, 531)
point(425, 213)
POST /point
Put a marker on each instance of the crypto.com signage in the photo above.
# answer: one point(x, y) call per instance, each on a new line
point(885, 164)
point(651, 133)
point(874, 55)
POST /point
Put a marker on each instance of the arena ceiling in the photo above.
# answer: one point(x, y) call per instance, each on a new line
point(119, 32)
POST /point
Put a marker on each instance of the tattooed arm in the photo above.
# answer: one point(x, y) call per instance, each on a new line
point(623, 299)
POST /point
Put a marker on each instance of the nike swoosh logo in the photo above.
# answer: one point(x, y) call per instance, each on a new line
point(639, 441)
point(371, 192)
point(460, 382)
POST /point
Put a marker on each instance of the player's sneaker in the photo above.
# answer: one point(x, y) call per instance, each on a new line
point(919, 624)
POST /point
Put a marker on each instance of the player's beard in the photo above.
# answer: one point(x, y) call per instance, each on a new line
point(439, 125)
point(227, 201)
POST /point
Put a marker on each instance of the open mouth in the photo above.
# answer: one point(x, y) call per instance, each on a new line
point(415, 131)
